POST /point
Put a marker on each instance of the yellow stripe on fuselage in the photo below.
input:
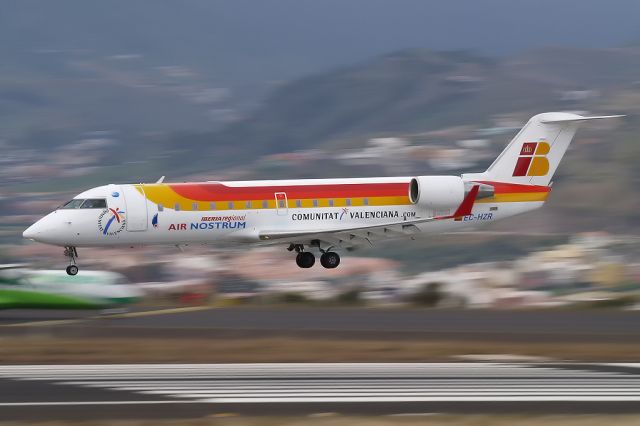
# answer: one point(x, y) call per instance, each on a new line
point(516, 197)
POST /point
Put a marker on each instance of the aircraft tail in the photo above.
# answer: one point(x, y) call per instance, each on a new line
point(533, 155)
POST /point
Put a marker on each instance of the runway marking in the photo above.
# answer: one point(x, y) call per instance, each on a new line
point(341, 383)
point(44, 322)
point(159, 312)
point(65, 403)
point(528, 398)
point(109, 316)
point(327, 414)
point(414, 414)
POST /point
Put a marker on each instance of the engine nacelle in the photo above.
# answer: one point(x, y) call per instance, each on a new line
point(444, 192)
point(437, 192)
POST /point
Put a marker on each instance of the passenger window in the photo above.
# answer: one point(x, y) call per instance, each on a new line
point(248, 204)
point(212, 206)
point(315, 203)
point(298, 203)
point(365, 201)
point(281, 204)
point(194, 206)
point(73, 204)
point(94, 203)
point(348, 201)
point(330, 203)
point(177, 207)
point(160, 207)
point(265, 204)
point(230, 204)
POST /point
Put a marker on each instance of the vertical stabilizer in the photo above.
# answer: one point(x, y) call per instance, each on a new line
point(533, 155)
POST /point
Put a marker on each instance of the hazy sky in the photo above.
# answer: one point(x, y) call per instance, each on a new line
point(285, 38)
point(495, 26)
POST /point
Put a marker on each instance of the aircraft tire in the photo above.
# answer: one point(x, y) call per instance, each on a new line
point(72, 270)
point(330, 260)
point(305, 259)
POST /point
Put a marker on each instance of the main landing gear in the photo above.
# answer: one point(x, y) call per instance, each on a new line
point(306, 259)
point(330, 259)
point(72, 254)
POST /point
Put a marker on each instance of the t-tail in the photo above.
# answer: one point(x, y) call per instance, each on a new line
point(534, 154)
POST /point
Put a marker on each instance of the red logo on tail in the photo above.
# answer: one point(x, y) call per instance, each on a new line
point(533, 159)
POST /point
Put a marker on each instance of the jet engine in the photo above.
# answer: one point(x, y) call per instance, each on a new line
point(443, 192)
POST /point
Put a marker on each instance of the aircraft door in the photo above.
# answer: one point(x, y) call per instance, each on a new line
point(282, 208)
point(135, 207)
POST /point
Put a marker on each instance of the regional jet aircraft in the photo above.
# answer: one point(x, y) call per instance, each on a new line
point(323, 215)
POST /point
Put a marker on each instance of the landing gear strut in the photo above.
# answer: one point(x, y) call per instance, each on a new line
point(72, 254)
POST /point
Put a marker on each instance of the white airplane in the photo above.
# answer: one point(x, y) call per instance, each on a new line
point(320, 214)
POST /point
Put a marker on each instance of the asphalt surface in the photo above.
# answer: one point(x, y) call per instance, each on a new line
point(510, 325)
point(154, 391)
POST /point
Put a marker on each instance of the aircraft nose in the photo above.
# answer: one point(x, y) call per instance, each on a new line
point(31, 232)
point(36, 231)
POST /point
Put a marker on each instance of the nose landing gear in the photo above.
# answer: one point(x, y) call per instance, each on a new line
point(72, 254)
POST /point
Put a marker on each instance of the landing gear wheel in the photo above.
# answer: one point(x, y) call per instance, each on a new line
point(72, 254)
point(330, 260)
point(305, 259)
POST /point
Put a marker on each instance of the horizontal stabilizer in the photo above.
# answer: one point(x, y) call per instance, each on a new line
point(577, 118)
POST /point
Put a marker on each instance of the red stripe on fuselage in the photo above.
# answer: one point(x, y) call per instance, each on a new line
point(221, 192)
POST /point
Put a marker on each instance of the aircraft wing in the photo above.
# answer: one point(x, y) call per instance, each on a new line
point(365, 234)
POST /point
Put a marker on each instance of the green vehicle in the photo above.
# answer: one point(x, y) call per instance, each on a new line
point(23, 288)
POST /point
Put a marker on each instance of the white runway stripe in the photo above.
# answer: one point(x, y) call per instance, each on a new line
point(282, 370)
point(151, 388)
point(272, 383)
point(335, 382)
point(527, 398)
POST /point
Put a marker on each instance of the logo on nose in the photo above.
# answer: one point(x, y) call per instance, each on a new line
point(111, 221)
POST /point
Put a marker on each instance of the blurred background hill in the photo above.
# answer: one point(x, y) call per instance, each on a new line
point(127, 91)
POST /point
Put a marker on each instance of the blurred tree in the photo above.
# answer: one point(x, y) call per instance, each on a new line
point(430, 295)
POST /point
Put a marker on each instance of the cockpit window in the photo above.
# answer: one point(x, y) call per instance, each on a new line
point(94, 203)
point(91, 203)
point(73, 204)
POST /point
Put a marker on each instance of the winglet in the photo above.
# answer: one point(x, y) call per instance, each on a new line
point(467, 204)
point(160, 180)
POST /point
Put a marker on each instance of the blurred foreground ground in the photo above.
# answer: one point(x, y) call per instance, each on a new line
point(40, 349)
point(330, 419)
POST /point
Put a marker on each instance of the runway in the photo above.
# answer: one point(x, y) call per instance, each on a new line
point(151, 391)
point(323, 322)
